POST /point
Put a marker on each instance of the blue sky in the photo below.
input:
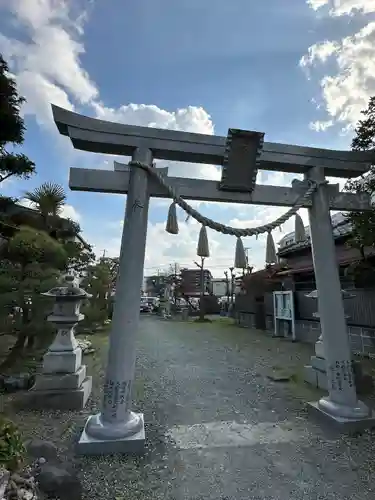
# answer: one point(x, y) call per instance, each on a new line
point(299, 71)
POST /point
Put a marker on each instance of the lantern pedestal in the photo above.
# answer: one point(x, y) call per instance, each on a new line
point(63, 383)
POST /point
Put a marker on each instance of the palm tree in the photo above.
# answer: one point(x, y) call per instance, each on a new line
point(49, 199)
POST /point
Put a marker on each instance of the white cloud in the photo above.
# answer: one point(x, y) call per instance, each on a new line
point(47, 65)
point(190, 119)
point(344, 7)
point(69, 212)
point(49, 70)
point(349, 80)
point(320, 51)
point(321, 126)
point(317, 4)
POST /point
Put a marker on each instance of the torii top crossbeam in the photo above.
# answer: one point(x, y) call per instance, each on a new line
point(90, 134)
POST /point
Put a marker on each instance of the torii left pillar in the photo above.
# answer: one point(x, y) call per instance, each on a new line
point(116, 429)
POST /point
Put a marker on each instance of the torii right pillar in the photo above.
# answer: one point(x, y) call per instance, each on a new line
point(341, 406)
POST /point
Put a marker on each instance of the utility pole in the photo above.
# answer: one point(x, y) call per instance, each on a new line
point(175, 280)
point(247, 261)
point(247, 255)
point(226, 304)
point(201, 306)
point(232, 276)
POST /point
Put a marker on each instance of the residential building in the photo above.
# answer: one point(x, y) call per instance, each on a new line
point(295, 271)
point(220, 287)
point(191, 281)
point(296, 257)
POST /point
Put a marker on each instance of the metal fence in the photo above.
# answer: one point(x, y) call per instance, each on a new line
point(360, 309)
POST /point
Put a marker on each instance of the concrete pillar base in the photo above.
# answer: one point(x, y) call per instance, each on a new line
point(360, 410)
point(361, 419)
point(133, 444)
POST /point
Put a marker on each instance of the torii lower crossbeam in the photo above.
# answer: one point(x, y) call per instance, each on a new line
point(107, 181)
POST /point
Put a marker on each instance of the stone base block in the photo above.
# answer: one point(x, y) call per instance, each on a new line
point(132, 445)
point(60, 381)
point(60, 399)
point(319, 350)
point(318, 363)
point(315, 377)
point(340, 423)
point(322, 380)
point(310, 375)
point(63, 361)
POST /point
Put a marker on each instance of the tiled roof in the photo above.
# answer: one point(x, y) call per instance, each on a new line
point(341, 227)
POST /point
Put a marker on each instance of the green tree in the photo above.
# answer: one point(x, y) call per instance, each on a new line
point(12, 128)
point(99, 282)
point(364, 222)
point(49, 199)
point(80, 256)
point(32, 265)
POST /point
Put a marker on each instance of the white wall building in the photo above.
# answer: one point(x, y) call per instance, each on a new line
point(219, 287)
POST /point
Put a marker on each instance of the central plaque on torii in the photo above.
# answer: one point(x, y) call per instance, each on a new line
point(241, 160)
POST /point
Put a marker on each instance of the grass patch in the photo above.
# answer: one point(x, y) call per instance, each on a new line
point(224, 321)
point(100, 339)
point(203, 320)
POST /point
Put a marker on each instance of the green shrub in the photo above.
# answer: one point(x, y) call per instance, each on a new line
point(12, 450)
point(94, 312)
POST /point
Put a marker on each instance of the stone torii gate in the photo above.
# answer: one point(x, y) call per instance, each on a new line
point(117, 428)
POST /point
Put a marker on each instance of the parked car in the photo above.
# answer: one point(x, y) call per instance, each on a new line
point(154, 303)
point(145, 305)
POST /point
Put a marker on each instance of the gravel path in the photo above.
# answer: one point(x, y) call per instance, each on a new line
point(217, 426)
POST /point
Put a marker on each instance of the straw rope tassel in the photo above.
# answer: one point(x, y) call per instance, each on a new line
point(172, 222)
point(299, 229)
point(271, 257)
point(240, 261)
point(202, 248)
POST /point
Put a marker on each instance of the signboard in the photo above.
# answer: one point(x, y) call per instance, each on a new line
point(283, 307)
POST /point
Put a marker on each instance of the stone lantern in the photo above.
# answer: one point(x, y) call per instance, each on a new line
point(62, 383)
